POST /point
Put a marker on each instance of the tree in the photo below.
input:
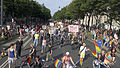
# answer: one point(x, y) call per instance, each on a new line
point(25, 9)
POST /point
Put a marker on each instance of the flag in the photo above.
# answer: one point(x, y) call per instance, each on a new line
point(81, 62)
point(97, 48)
point(57, 63)
point(95, 53)
point(29, 59)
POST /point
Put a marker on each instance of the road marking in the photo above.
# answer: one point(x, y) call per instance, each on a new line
point(3, 63)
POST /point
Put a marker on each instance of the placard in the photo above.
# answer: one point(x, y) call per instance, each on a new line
point(73, 28)
point(44, 26)
point(51, 24)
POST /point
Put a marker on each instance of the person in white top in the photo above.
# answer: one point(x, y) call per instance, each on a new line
point(33, 33)
point(82, 51)
point(43, 45)
point(115, 36)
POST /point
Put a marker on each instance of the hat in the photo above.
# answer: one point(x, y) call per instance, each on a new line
point(67, 53)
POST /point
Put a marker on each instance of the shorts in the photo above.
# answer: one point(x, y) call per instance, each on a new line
point(82, 55)
point(11, 60)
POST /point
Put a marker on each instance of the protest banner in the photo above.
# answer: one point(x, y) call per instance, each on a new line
point(51, 24)
point(44, 26)
point(73, 28)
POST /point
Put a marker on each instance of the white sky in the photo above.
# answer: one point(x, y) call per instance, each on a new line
point(53, 5)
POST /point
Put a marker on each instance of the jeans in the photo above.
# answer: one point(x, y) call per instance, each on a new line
point(56, 37)
point(35, 42)
point(43, 47)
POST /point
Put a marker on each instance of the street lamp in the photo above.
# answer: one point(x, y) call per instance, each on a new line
point(1, 12)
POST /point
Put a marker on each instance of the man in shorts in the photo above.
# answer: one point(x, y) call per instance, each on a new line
point(82, 51)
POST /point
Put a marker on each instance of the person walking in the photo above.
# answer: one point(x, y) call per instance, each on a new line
point(82, 51)
point(49, 53)
point(99, 43)
point(11, 55)
point(36, 39)
point(32, 51)
point(19, 44)
point(43, 45)
point(66, 61)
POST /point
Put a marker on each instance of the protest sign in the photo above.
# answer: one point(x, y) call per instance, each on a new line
point(73, 28)
point(44, 26)
point(51, 24)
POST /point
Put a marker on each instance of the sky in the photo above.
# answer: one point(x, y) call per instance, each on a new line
point(53, 5)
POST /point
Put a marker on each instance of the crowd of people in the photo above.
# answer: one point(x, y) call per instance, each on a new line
point(44, 38)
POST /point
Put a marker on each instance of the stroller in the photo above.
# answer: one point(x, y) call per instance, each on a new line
point(27, 61)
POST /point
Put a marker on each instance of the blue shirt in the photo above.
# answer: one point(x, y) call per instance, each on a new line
point(99, 43)
point(11, 54)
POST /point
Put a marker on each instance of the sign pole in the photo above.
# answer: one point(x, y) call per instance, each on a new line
point(1, 12)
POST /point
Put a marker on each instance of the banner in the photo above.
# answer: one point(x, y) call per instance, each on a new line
point(44, 26)
point(51, 24)
point(73, 28)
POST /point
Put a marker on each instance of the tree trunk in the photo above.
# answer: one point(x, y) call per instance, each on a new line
point(110, 23)
point(92, 21)
point(89, 21)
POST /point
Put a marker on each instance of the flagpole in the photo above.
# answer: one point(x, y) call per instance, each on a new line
point(77, 62)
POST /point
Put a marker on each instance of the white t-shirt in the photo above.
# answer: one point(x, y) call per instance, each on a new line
point(115, 36)
point(33, 32)
point(69, 34)
point(83, 51)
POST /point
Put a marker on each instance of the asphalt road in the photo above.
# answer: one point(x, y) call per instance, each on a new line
point(58, 53)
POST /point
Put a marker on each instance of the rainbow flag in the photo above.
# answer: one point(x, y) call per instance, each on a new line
point(95, 53)
point(29, 59)
point(97, 50)
point(57, 63)
point(81, 62)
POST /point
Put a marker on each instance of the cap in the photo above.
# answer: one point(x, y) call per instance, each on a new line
point(67, 53)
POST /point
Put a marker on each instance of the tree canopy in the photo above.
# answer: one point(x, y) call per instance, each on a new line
point(25, 8)
point(78, 9)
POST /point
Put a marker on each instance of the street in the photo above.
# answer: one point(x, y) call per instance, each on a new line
point(58, 53)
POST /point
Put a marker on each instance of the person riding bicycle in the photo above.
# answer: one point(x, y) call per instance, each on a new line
point(66, 61)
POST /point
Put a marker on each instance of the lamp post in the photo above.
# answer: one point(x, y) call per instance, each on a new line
point(1, 12)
